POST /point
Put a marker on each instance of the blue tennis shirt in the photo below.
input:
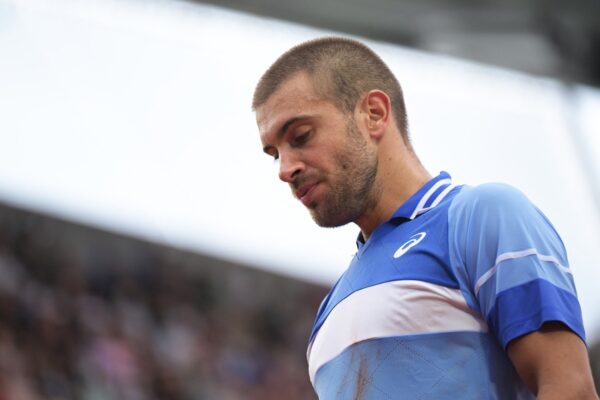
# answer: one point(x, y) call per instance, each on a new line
point(429, 303)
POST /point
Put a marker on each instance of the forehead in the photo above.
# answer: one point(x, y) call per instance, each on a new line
point(295, 97)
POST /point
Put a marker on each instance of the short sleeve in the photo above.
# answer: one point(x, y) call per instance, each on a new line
point(511, 262)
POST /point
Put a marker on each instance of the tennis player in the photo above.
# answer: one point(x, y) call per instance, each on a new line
point(455, 292)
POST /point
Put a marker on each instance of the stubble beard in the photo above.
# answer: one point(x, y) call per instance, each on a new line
point(352, 187)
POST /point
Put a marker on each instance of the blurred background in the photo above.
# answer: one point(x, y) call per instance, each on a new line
point(147, 249)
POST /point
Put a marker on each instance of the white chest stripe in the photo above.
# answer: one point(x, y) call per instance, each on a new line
point(391, 309)
point(512, 255)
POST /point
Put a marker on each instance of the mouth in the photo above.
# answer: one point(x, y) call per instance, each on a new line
point(306, 193)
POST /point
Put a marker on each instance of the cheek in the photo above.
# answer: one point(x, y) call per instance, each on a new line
point(343, 160)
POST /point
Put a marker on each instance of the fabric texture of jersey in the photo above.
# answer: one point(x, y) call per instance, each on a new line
point(429, 303)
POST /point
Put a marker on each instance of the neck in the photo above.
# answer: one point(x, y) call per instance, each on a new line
point(400, 175)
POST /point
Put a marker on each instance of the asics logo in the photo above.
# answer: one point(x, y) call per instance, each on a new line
point(413, 241)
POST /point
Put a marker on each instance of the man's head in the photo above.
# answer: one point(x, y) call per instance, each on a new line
point(323, 109)
point(341, 70)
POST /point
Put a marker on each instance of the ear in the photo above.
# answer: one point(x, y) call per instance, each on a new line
point(375, 110)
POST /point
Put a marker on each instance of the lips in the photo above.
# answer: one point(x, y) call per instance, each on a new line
point(306, 193)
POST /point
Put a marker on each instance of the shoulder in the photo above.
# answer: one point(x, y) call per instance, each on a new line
point(491, 201)
point(500, 216)
point(490, 196)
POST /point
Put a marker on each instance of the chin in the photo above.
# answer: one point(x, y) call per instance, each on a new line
point(329, 221)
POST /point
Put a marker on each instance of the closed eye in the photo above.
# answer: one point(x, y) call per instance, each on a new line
point(271, 151)
point(301, 138)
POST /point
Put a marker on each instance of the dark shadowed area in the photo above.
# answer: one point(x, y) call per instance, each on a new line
point(87, 314)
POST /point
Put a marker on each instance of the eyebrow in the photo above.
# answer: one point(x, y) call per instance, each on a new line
point(284, 129)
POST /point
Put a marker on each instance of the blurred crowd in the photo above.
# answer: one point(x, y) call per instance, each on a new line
point(89, 315)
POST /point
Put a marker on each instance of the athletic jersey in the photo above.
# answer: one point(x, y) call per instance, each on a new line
point(429, 303)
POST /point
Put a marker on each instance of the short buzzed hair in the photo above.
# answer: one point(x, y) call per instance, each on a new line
point(341, 69)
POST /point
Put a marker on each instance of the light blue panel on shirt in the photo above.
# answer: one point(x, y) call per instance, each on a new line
point(458, 365)
point(492, 219)
point(489, 221)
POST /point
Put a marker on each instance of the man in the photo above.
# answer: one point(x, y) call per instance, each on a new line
point(455, 292)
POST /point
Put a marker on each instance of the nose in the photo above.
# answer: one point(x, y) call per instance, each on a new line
point(289, 168)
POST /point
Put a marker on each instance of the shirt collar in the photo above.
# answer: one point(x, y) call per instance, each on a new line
point(426, 198)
